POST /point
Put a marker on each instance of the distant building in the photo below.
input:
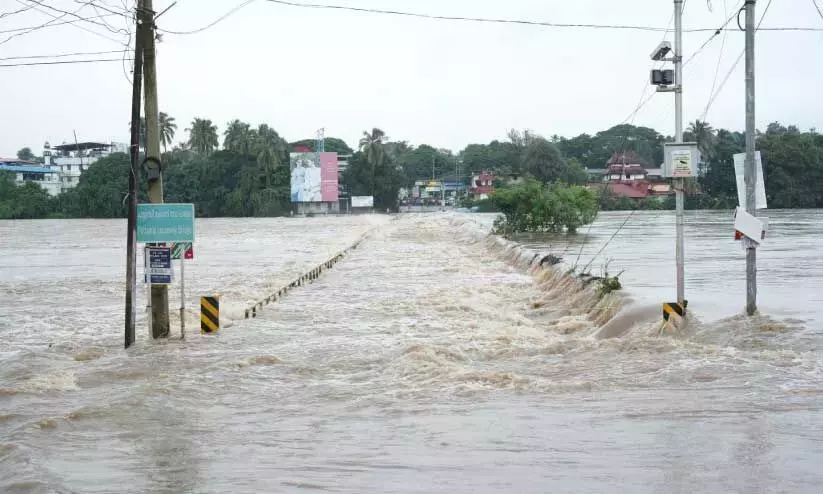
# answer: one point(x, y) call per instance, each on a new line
point(29, 171)
point(625, 176)
point(70, 161)
point(482, 184)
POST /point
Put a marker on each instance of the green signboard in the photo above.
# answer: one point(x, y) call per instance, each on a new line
point(165, 223)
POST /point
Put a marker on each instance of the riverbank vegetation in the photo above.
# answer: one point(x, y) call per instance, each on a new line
point(533, 206)
point(244, 171)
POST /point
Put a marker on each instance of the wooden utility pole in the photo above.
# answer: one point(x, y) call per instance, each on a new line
point(159, 293)
point(750, 174)
point(131, 238)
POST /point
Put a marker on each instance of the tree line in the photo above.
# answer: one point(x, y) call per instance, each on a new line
point(247, 173)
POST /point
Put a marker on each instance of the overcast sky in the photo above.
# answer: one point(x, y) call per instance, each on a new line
point(443, 83)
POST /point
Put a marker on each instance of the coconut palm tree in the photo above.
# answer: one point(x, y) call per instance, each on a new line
point(703, 134)
point(167, 130)
point(372, 145)
point(238, 137)
point(269, 149)
point(203, 136)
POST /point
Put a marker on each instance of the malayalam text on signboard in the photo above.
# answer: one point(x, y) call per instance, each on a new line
point(159, 269)
point(165, 223)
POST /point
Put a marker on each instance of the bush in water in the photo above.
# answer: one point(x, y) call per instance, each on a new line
point(535, 207)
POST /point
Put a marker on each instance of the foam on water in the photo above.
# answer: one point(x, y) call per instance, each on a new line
point(401, 346)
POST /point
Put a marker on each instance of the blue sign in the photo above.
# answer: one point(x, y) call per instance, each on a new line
point(165, 223)
point(159, 270)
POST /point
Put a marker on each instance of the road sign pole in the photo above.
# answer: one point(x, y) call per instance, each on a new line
point(749, 171)
point(183, 298)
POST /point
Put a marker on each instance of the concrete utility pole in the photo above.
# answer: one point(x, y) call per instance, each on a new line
point(750, 175)
point(131, 238)
point(678, 138)
point(159, 293)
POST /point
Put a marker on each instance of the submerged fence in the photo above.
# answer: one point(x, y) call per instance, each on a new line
point(305, 278)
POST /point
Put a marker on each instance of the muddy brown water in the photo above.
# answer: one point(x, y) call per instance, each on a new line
point(430, 360)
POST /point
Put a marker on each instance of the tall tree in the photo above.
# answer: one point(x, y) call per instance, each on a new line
point(544, 161)
point(270, 150)
point(26, 154)
point(239, 137)
point(167, 130)
point(203, 136)
point(371, 145)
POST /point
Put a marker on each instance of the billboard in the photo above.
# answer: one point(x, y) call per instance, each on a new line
point(362, 202)
point(313, 177)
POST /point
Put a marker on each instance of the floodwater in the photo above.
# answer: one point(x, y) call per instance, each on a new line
point(431, 359)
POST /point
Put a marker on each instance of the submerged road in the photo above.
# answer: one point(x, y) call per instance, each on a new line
point(426, 361)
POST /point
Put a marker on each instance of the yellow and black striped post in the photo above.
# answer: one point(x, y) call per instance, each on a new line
point(674, 308)
point(209, 314)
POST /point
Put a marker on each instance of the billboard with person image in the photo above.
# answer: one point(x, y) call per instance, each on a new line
point(314, 177)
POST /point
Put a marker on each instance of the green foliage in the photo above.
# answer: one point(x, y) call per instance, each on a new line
point(22, 202)
point(383, 181)
point(102, 190)
point(421, 162)
point(203, 136)
point(330, 145)
point(26, 154)
point(502, 158)
point(535, 207)
point(793, 167)
point(594, 151)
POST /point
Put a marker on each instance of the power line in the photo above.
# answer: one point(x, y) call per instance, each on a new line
point(60, 62)
point(63, 55)
point(107, 8)
point(73, 14)
point(32, 29)
point(79, 19)
point(49, 24)
point(458, 18)
point(817, 7)
point(466, 19)
point(720, 54)
point(714, 96)
point(508, 21)
point(19, 11)
point(219, 19)
point(717, 32)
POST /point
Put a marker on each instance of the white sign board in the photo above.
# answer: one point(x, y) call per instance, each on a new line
point(680, 160)
point(760, 186)
point(362, 201)
point(749, 225)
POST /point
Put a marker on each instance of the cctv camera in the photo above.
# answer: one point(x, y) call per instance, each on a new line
point(661, 51)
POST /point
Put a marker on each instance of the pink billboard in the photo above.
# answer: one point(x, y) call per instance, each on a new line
point(314, 177)
point(328, 177)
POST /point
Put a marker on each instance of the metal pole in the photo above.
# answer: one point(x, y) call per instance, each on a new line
point(183, 298)
point(678, 137)
point(750, 175)
point(131, 239)
point(159, 293)
point(148, 293)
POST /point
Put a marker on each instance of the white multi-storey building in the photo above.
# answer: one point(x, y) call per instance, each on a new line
point(72, 160)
